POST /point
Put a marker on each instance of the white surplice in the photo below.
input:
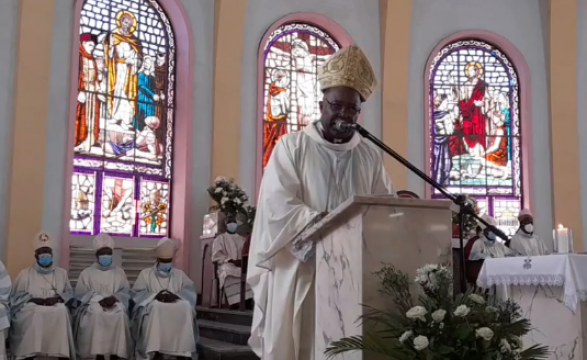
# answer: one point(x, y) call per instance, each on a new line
point(485, 249)
point(230, 247)
point(41, 330)
point(523, 244)
point(167, 328)
point(100, 331)
point(305, 176)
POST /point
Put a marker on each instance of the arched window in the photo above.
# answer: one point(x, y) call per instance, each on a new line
point(475, 132)
point(291, 56)
point(122, 171)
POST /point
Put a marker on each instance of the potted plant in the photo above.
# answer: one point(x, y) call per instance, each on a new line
point(440, 326)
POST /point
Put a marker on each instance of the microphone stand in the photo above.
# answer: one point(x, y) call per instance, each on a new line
point(465, 207)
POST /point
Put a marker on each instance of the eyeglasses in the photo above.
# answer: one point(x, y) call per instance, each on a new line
point(338, 107)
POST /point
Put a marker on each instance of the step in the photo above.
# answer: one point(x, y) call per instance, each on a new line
point(225, 316)
point(230, 333)
point(211, 349)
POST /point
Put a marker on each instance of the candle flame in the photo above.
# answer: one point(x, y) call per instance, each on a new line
point(560, 226)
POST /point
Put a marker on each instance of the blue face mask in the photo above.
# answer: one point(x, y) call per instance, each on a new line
point(491, 236)
point(231, 227)
point(165, 267)
point(45, 260)
point(105, 260)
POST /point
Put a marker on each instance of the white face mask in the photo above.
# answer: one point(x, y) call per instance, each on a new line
point(529, 228)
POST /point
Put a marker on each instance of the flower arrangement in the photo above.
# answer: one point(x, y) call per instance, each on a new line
point(441, 326)
point(230, 197)
point(250, 211)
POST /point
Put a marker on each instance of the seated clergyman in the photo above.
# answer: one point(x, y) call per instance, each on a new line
point(102, 326)
point(487, 245)
point(164, 315)
point(41, 324)
point(227, 253)
point(525, 242)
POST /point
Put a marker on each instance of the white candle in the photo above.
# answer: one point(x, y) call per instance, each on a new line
point(562, 240)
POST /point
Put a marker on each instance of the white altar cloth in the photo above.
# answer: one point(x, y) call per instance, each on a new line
point(566, 270)
point(551, 292)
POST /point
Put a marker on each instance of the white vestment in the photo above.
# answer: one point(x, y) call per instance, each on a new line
point(523, 244)
point(229, 247)
point(41, 330)
point(167, 328)
point(484, 249)
point(100, 331)
point(306, 175)
point(5, 289)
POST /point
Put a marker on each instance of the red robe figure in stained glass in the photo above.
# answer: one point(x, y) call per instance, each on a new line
point(275, 124)
point(472, 128)
point(88, 105)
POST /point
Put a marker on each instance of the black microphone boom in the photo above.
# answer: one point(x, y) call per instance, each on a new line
point(465, 208)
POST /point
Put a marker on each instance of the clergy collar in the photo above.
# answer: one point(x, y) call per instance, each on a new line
point(315, 134)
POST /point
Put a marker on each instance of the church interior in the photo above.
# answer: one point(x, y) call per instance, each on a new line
point(140, 105)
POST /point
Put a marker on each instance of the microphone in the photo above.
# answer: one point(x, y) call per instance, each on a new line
point(343, 126)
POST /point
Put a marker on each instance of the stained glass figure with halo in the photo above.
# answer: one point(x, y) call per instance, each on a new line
point(124, 121)
point(475, 128)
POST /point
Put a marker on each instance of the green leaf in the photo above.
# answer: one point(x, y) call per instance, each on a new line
point(445, 350)
point(462, 331)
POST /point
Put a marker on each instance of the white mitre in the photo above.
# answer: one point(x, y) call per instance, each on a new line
point(102, 241)
point(348, 67)
point(42, 240)
point(166, 248)
point(488, 219)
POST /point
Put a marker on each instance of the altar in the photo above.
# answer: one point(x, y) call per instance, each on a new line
point(551, 290)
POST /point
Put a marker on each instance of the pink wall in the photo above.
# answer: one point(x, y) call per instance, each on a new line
point(519, 63)
point(332, 28)
point(184, 93)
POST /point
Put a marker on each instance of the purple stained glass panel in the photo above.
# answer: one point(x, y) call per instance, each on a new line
point(124, 118)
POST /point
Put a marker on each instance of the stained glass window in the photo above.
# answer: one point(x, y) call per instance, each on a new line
point(292, 55)
point(475, 128)
point(124, 120)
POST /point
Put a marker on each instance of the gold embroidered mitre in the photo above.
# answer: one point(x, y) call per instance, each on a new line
point(348, 67)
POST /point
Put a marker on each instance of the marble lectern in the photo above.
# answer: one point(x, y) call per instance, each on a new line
point(357, 239)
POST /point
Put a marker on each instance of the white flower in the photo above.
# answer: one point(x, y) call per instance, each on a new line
point(219, 179)
point(223, 200)
point(218, 190)
point(224, 192)
point(441, 326)
point(438, 315)
point(462, 310)
point(420, 343)
point(405, 336)
point(485, 333)
point(517, 342)
point(504, 346)
point(417, 312)
point(478, 299)
point(237, 201)
point(491, 309)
